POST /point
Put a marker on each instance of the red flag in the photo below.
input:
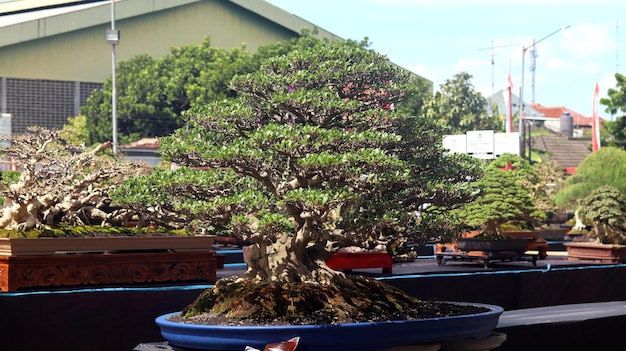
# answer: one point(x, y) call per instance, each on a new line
point(508, 97)
point(595, 127)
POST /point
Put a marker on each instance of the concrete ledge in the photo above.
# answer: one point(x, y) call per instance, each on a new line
point(583, 326)
point(561, 314)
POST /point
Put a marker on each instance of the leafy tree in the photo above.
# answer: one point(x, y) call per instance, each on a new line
point(75, 131)
point(616, 103)
point(414, 104)
point(459, 106)
point(152, 93)
point(504, 197)
point(605, 208)
point(617, 130)
point(541, 179)
point(308, 158)
point(607, 166)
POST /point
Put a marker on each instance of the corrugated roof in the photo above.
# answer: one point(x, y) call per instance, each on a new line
point(16, 6)
point(31, 18)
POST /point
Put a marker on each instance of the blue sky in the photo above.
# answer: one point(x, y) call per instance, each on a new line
point(440, 38)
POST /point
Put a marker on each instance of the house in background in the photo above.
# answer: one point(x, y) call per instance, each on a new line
point(143, 150)
point(568, 140)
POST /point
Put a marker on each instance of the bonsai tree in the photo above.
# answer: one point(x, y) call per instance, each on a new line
point(309, 158)
point(607, 166)
point(504, 198)
point(59, 182)
point(605, 207)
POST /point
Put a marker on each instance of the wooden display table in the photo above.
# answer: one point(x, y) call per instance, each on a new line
point(76, 262)
point(486, 258)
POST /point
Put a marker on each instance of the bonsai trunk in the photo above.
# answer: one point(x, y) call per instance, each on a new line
point(492, 227)
point(288, 282)
point(579, 225)
point(288, 259)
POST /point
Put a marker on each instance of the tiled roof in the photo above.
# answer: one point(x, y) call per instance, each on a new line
point(145, 143)
point(566, 152)
point(558, 111)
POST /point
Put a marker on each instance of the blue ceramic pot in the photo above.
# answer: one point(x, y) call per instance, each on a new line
point(336, 337)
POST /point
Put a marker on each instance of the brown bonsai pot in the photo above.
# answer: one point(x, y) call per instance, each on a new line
point(609, 253)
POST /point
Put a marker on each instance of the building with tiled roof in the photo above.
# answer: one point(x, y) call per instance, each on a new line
point(556, 112)
point(565, 145)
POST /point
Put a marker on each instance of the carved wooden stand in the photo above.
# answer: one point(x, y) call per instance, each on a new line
point(158, 261)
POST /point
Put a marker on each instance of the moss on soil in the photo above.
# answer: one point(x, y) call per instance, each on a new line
point(90, 231)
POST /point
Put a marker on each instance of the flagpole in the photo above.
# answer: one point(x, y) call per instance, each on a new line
point(522, 107)
point(595, 126)
point(507, 95)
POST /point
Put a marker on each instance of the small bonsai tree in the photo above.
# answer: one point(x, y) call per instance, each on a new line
point(310, 157)
point(59, 182)
point(607, 166)
point(605, 207)
point(504, 198)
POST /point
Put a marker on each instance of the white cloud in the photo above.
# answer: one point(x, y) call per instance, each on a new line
point(589, 40)
point(558, 64)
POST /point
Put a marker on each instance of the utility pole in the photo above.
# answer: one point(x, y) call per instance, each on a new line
point(113, 38)
point(522, 106)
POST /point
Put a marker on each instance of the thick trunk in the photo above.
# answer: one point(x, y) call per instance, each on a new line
point(289, 259)
point(492, 227)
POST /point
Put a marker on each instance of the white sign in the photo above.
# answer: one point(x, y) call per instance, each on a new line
point(455, 143)
point(480, 143)
point(483, 144)
point(506, 143)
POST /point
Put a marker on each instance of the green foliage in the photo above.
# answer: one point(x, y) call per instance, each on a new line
point(413, 104)
point(71, 231)
point(460, 107)
point(617, 129)
point(616, 104)
point(616, 101)
point(153, 92)
point(607, 166)
point(185, 195)
point(504, 197)
point(8, 178)
point(75, 131)
point(317, 150)
point(605, 207)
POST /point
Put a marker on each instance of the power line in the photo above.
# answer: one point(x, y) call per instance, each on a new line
point(493, 54)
